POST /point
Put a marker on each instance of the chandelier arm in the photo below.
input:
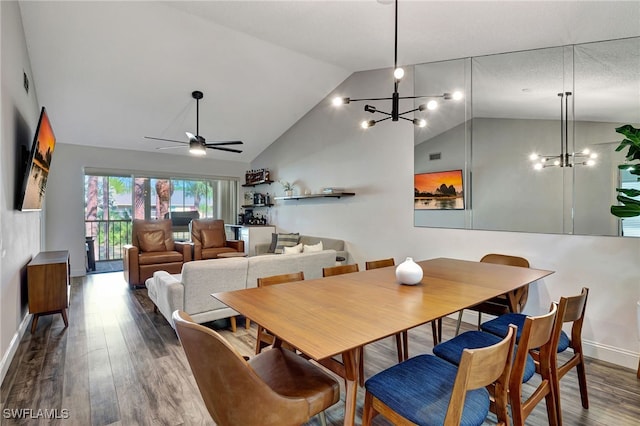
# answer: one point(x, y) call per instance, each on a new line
point(370, 99)
point(384, 119)
point(411, 110)
point(422, 96)
point(385, 113)
point(405, 118)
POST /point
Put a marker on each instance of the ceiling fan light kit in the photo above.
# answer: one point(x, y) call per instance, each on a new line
point(198, 144)
point(395, 114)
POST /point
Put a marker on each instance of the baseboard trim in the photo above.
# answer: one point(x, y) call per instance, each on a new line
point(13, 347)
point(618, 356)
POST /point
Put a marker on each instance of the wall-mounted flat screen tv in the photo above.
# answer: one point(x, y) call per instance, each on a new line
point(37, 167)
point(438, 191)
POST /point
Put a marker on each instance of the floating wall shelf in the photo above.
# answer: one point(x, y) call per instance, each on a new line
point(303, 197)
point(251, 206)
point(252, 184)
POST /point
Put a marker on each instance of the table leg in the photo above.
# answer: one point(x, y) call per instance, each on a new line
point(64, 317)
point(34, 323)
point(350, 360)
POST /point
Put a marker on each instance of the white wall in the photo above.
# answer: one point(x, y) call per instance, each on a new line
point(19, 232)
point(65, 188)
point(328, 148)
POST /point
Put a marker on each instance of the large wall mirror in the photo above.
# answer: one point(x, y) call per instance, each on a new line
point(521, 103)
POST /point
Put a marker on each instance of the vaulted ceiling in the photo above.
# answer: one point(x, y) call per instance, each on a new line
point(111, 73)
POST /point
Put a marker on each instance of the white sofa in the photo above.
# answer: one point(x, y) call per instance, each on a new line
point(327, 244)
point(191, 290)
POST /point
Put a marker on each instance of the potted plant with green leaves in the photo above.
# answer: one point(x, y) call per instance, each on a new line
point(288, 187)
point(629, 207)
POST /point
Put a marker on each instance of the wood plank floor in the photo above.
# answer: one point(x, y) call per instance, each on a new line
point(118, 363)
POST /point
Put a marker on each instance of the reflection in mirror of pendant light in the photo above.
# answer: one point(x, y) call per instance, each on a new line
point(565, 158)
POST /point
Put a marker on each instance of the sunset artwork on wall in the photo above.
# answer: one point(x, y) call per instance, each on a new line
point(439, 191)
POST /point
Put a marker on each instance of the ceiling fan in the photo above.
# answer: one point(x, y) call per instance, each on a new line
point(197, 143)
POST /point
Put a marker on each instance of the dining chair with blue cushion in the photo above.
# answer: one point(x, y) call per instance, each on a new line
point(451, 350)
point(427, 390)
point(534, 340)
point(570, 309)
point(509, 302)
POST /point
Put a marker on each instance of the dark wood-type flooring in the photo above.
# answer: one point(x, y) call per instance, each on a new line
point(119, 363)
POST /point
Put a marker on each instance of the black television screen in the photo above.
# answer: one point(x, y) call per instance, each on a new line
point(37, 167)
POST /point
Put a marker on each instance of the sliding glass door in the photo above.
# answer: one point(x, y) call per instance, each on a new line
point(112, 201)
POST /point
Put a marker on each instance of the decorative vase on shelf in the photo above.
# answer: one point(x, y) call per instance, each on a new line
point(288, 193)
point(409, 272)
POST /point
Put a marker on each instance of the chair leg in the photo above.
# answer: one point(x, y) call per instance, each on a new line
point(259, 340)
point(368, 412)
point(434, 331)
point(459, 321)
point(247, 323)
point(399, 347)
point(233, 324)
point(405, 345)
point(361, 368)
point(479, 320)
point(582, 381)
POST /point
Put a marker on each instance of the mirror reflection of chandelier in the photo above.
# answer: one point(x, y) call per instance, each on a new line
point(565, 158)
point(395, 114)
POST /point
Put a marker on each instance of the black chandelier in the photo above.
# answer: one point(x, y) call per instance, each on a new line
point(395, 114)
point(565, 158)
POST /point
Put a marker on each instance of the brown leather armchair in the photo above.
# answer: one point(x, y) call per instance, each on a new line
point(209, 239)
point(152, 249)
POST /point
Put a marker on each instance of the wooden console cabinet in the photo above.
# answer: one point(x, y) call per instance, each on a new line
point(48, 285)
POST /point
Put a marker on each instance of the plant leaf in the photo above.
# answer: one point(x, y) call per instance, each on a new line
point(631, 133)
point(625, 211)
point(630, 192)
point(628, 201)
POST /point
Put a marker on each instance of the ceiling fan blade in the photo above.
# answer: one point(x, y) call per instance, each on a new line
point(166, 140)
point(169, 147)
point(224, 149)
point(223, 143)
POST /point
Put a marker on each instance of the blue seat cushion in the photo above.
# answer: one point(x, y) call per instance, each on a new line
point(500, 326)
point(563, 342)
point(419, 389)
point(451, 350)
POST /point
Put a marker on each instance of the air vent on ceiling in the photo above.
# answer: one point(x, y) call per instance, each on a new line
point(435, 156)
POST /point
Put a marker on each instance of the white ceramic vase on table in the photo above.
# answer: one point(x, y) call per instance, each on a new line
point(409, 272)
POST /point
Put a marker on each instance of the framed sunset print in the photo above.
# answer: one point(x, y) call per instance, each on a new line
point(438, 190)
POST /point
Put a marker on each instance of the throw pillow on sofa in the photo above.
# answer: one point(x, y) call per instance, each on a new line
point(293, 250)
point(312, 247)
point(152, 240)
point(286, 240)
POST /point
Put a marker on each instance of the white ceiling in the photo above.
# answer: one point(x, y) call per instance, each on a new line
point(111, 73)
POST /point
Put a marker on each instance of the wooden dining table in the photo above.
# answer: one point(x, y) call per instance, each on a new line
point(338, 315)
